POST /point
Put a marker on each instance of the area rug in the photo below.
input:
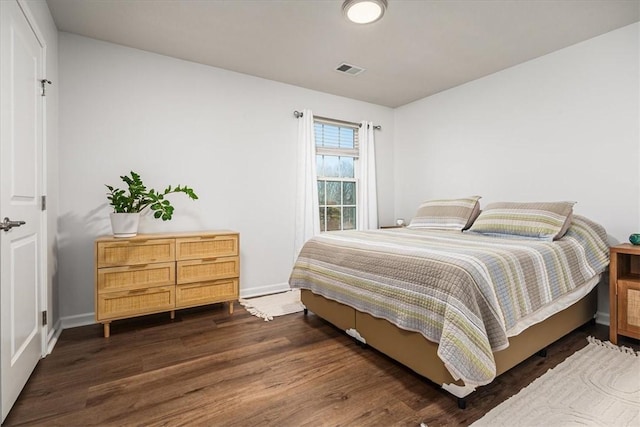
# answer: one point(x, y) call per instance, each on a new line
point(598, 385)
point(270, 306)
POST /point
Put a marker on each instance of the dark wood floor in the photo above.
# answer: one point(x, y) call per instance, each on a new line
point(206, 368)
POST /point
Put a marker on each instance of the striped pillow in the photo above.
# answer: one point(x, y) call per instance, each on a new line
point(452, 214)
point(544, 220)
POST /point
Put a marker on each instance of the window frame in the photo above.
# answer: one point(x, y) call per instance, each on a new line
point(339, 152)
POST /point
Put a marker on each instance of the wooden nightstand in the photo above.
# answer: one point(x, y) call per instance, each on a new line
point(624, 291)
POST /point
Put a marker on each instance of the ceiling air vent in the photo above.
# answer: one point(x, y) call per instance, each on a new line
point(352, 70)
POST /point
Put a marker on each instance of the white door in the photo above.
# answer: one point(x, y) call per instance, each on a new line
point(21, 148)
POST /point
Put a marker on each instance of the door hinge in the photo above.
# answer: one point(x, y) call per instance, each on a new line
point(44, 203)
point(44, 318)
point(43, 82)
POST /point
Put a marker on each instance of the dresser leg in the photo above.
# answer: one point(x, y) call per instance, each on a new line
point(172, 314)
point(106, 329)
point(230, 307)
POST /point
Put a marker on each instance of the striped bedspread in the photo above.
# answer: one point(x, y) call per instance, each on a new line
point(461, 290)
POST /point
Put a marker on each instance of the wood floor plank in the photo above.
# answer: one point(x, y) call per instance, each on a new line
point(209, 368)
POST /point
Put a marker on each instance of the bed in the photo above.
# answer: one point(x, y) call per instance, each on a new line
point(459, 308)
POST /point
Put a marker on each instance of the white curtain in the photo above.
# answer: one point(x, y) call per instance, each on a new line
point(307, 222)
point(367, 196)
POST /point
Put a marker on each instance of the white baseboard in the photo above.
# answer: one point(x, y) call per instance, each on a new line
point(264, 290)
point(78, 320)
point(602, 318)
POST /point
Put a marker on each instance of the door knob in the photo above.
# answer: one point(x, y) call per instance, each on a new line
point(7, 224)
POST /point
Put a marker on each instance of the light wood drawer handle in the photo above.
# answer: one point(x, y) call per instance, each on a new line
point(138, 266)
point(137, 291)
point(138, 242)
point(222, 281)
point(209, 259)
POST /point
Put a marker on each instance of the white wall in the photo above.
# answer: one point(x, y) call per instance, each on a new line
point(230, 136)
point(41, 19)
point(564, 126)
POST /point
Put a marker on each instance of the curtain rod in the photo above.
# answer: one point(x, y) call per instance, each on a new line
point(297, 114)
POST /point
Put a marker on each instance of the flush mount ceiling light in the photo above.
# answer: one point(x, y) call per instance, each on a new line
point(364, 11)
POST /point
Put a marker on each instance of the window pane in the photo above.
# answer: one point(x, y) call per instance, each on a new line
point(321, 200)
point(322, 225)
point(331, 166)
point(349, 219)
point(319, 167)
point(346, 167)
point(348, 193)
point(333, 219)
point(333, 192)
point(346, 138)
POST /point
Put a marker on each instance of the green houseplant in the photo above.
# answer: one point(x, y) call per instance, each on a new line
point(127, 204)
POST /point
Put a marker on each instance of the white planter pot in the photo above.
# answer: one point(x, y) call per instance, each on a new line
point(124, 224)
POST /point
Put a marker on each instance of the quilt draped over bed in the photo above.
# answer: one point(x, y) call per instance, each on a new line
point(461, 290)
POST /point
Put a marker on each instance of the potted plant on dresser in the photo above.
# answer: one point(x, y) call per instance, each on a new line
point(127, 204)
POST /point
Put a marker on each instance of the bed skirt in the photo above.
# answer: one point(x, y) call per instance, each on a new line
point(416, 352)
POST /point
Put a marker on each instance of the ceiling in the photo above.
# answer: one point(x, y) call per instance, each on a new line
point(419, 48)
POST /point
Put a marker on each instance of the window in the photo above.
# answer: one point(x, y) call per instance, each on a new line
point(336, 161)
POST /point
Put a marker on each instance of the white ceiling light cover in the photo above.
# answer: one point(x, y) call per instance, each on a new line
point(364, 11)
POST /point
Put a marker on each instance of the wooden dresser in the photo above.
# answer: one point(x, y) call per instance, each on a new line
point(154, 273)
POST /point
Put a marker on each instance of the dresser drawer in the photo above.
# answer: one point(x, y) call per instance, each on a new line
point(136, 277)
point(114, 305)
point(207, 269)
point(132, 252)
point(206, 247)
point(194, 294)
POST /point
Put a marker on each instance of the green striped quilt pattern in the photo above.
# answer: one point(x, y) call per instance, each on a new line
point(461, 290)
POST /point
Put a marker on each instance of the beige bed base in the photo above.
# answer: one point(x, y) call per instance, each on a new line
point(416, 352)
